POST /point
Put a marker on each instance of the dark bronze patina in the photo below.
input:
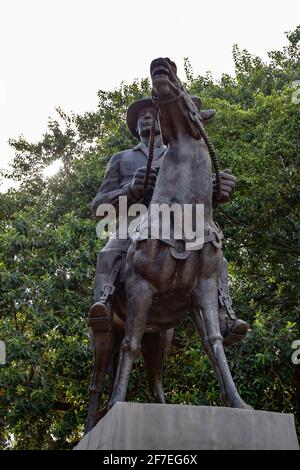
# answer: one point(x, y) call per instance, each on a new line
point(146, 287)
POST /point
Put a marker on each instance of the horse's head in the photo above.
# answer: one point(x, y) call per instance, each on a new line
point(177, 108)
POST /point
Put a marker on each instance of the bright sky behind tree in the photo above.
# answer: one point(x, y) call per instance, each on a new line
point(61, 52)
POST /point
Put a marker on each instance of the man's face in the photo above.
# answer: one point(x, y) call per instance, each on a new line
point(144, 123)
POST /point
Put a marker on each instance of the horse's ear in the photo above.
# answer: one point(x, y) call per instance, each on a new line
point(207, 114)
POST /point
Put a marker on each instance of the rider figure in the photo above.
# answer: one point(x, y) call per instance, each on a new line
point(125, 177)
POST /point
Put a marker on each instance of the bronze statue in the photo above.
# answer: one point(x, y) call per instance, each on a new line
point(144, 284)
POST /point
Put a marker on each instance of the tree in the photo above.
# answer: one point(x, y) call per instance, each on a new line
point(49, 249)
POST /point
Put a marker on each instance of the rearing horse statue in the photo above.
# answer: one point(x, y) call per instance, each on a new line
point(162, 284)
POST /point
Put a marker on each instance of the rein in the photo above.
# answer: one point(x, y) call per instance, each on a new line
point(150, 154)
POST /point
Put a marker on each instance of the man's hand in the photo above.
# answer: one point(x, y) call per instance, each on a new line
point(228, 182)
point(137, 185)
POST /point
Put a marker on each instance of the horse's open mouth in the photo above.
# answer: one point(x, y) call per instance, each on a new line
point(160, 72)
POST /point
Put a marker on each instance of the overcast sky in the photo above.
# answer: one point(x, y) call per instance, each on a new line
point(60, 52)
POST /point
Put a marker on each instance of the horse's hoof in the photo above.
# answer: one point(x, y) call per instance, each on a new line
point(89, 426)
point(101, 413)
point(111, 404)
point(224, 399)
point(241, 405)
point(248, 407)
point(245, 407)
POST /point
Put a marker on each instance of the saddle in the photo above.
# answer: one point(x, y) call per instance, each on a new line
point(178, 247)
point(181, 249)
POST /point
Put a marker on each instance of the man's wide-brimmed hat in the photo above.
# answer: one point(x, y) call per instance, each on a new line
point(135, 108)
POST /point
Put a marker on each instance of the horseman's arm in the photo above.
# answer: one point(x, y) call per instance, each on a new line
point(110, 190)
point(228, 182)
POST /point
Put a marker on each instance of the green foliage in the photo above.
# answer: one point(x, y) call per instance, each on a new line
point(49, 249)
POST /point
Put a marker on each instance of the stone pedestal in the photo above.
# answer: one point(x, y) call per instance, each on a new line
point(135, 426)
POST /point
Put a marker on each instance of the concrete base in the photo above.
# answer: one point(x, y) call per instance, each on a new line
point(134, 426)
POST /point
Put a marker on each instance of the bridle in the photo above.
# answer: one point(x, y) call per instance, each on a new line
point(195, 116)
point(150, 153)
point(158, 101)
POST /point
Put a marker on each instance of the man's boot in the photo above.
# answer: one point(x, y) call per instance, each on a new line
point(100, 314)
point(233, 329)
point(108, 268)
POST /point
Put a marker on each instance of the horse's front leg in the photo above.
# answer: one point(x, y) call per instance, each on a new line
point(155, 347)
point(140, 298)
point(202, 332)
point(206, 301)
point(103, 338)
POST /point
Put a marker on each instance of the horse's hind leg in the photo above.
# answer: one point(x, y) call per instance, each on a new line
point(154, 349)
point(140, 297)
point(206, 301)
